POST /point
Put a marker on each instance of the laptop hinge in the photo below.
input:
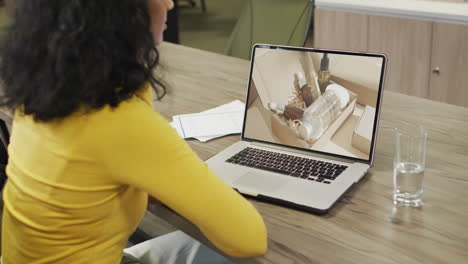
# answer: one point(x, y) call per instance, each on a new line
point(292, 150)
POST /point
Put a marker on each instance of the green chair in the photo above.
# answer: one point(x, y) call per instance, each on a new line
point(282, 22)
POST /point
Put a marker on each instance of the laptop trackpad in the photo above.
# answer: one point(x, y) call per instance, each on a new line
point(256, 183)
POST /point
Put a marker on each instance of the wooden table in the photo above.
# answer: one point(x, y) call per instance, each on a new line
point(364, 227)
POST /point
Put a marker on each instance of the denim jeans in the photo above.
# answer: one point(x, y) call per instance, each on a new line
point(173, 248)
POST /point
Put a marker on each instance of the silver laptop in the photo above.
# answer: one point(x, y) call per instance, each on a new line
point(310, 126)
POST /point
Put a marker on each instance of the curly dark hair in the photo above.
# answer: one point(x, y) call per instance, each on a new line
point(60, 55)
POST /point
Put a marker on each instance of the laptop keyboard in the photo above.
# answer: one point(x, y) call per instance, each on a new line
point(310, 169)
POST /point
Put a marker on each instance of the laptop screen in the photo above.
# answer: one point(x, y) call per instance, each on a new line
point(316, 100)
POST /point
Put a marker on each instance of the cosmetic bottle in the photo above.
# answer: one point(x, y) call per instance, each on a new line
point(324, 73)
point(289, 112)
point(309, 93)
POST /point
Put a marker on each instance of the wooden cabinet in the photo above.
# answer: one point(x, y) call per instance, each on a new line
point(426, 59)
point(407, 44)
point(449, 64)
point(346, 31)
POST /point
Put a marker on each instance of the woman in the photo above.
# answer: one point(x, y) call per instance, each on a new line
point(87, 148)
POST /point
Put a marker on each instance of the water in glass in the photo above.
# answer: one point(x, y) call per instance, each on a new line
point(408, 184)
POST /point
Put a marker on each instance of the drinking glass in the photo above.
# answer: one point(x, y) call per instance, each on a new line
point(409, 164)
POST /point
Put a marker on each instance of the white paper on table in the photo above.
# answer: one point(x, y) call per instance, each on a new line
point(176, 125)
point(234, 106)
point(211, 124)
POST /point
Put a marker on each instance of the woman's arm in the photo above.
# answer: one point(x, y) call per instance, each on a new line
point(141, 149)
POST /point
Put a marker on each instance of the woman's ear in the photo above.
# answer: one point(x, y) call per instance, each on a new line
point(169, 4)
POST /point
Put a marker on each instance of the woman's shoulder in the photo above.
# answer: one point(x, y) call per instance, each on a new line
point(132, 112)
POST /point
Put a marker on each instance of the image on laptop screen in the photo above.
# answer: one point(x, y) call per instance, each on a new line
point(314, 100)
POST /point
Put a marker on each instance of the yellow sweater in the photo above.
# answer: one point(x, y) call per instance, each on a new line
point(78, 187)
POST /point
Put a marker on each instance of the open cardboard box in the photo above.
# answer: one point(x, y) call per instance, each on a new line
point(281, 90)
point(362, 135)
